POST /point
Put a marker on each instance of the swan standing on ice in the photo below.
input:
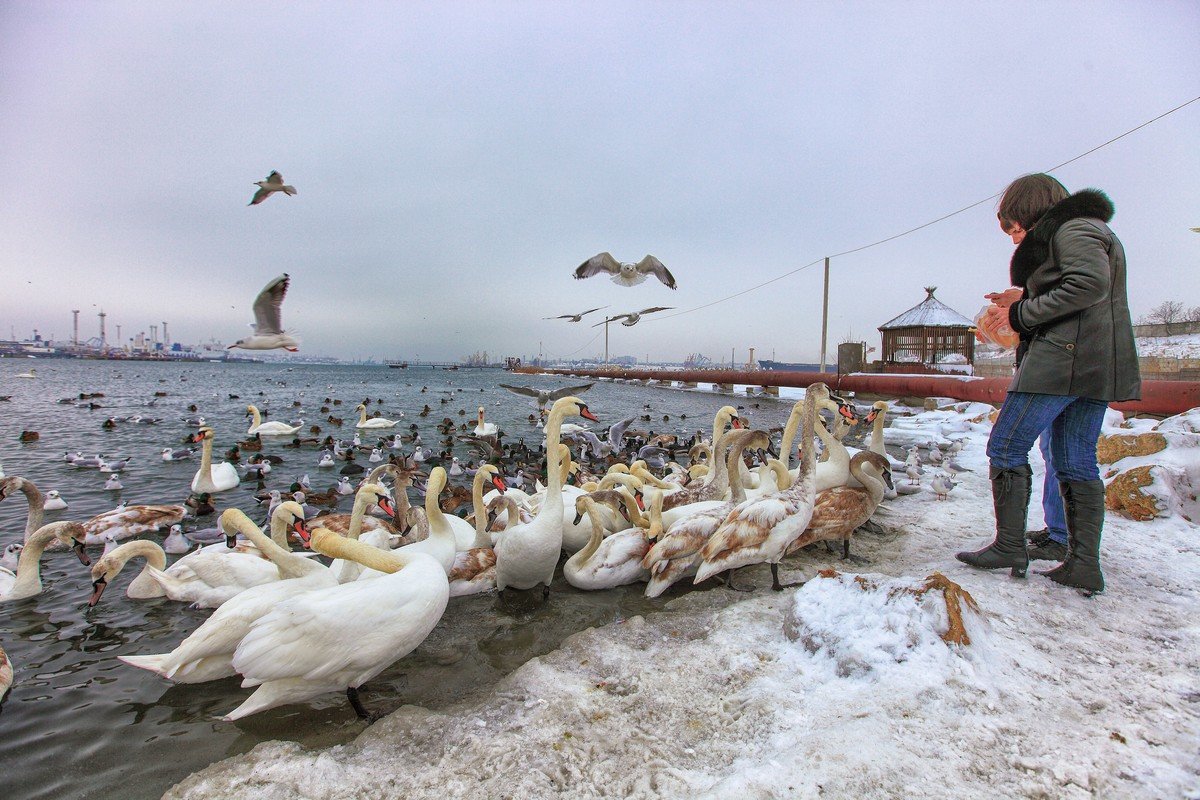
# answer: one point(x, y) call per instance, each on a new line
point(268, 320)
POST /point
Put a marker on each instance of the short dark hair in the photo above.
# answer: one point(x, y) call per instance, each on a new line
point(1028, 197)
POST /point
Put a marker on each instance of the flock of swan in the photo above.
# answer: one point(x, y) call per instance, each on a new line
point(295, 627)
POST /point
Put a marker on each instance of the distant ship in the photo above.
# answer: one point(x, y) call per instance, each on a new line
point(787, 366)
point(393, 364)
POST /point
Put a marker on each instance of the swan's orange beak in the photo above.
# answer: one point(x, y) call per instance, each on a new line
point(587, 414)
point(498, 482)
point(81, 553)
point(871, 415)
point(385, 505)
point(735, 423)
point(98, 586)
point(641, 501)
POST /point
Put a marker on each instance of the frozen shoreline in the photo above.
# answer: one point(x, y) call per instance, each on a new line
point(1060, 696)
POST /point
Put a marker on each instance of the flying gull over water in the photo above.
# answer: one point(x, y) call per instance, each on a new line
point(625, 273)
point(577, 317)
point(629, 320)
point(268, 320)
point(544, 397)
point(274, 183)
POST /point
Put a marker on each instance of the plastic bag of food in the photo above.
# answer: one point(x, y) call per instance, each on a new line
point(994, 328)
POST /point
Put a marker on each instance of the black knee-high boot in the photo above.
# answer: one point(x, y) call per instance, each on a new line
point(1084, 504)
point(1011, 488)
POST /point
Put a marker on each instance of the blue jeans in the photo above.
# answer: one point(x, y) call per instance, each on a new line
point(1052, 503)
point(1074, 427)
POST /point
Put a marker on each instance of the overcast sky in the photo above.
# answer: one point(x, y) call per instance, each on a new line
point(456, 161)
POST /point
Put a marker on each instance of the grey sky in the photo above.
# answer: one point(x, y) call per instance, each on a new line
point(455, 162)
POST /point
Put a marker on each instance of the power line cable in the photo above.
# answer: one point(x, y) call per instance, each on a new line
point(942, 218)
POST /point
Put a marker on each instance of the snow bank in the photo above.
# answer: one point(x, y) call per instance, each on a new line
point(1182, 346)
point(1155, 472)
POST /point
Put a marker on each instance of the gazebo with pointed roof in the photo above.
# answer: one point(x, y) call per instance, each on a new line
point(927, 333)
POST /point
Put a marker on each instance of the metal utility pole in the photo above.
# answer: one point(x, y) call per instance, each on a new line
point(606, 321)
point(825, 314)
point(75, 327)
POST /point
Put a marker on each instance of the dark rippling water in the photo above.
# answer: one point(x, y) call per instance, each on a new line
point(80, 724)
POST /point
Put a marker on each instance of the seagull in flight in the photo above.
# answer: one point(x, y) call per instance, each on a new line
point(629, 320)
point(625, 273)
point(268, 320)
point(579, 316)
point(544, 397)
point(273, 183)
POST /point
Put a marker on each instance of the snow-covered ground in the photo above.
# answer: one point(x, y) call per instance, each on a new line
point(1182, 346)
point(829, 690)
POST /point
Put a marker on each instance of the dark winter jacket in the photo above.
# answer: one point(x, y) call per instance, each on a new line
point(1073, 319)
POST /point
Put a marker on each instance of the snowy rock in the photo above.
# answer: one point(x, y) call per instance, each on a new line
point(1153, 474)
point(1187, 422)
point(868, 623)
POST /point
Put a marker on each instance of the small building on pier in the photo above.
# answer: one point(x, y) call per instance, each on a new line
point(930, 336)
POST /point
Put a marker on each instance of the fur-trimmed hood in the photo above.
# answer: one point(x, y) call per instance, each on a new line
point(1033, 251)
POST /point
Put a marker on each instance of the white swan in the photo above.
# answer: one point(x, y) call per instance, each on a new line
point(209, 577)
point(760, 530)
point(220, 478)
point(484, 428)
point(207, 654)
point(835, 470)
point(32, 373)
point(368, 494)
point(27, 581)
point(338, 638)
point(273, 428)
point(614, 560)
point(527, 555)
point(441, 543)
point(376, 422)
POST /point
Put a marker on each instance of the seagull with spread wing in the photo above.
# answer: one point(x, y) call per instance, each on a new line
point(268, 320)
point(623, 272)
point(631, 319)
point(577, 317)
point(274, 183)
point(544, 396)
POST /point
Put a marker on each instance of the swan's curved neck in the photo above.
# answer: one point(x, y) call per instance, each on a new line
point(877, 432)
point(554, 499)
point(33, 518)
point(362, 415)
point(438, 526)
point(29, 563)
point(330, 544)
point(871, 480)
point(356, 516)
point(593, 544)
point(257, 417)
point(206, 445)
point(482, 539)
point(143, 548)
point(284, 559)
point(808, 448)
